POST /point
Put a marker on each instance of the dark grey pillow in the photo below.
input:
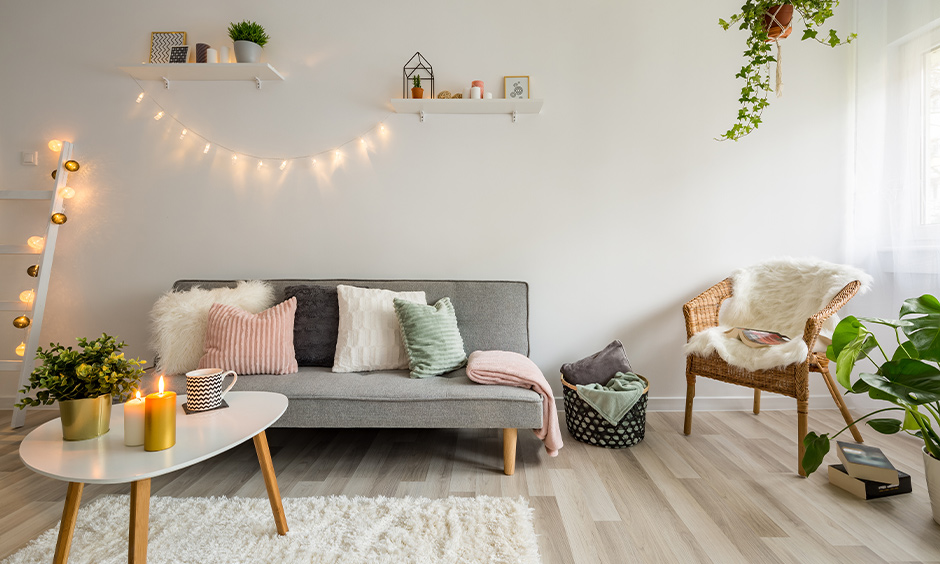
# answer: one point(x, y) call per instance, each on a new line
point(316, 324)
point(598, 368)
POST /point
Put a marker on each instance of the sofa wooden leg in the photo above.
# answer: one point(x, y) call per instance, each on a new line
point(509, 451)
point(689, 396)
point(756, 401)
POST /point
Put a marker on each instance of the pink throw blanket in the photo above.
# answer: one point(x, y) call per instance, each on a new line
point(514, 369)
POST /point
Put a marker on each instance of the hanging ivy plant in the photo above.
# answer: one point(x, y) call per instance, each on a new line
point(755, 17)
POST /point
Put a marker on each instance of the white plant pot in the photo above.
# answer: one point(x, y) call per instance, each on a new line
point(932, 470)
point(247, 52)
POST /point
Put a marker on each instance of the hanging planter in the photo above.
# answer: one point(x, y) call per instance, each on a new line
point(767, 22)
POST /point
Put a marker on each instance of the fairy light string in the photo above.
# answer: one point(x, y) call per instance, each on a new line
point(281, 161)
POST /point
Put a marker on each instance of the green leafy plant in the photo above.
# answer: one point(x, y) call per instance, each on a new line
point(416, 81)
point(757, 54)
point(248, 31)
point(909, 378)
point(98, 368)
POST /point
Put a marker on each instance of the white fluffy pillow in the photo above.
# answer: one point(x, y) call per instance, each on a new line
point(369, 336)
point(180, 319)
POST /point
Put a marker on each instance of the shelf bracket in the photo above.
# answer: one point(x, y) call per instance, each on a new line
point(421, 114)
point(514, 116)
point(166, 82)
point(258, 83)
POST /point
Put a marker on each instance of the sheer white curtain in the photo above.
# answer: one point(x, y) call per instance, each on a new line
point(895, 234)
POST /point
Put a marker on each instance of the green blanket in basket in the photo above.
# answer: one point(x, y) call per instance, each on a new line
point(614, 400)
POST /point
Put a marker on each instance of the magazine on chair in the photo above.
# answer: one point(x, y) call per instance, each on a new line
point(756, 338)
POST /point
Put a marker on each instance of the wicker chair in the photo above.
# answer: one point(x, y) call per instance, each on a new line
point(792, 380)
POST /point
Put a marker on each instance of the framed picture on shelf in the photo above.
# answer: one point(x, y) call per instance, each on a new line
point(162, 41)
point(179, 54)
point(517, 87)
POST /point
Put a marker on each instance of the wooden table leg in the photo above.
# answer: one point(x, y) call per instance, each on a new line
point(270, 482)
point(67, 527)
point(140, 522)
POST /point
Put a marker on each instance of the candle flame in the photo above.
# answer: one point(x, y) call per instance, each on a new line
point(161, 385)
point(138, 394)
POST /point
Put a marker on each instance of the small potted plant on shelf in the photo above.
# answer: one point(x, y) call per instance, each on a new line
point(769, 21)
point(909, 379)
point(249, 38)
point(416, 90)
point(84, 382)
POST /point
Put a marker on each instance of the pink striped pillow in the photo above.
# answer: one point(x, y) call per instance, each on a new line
point(249, 343)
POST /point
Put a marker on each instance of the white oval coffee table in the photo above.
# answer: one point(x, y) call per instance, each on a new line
point(105, 459)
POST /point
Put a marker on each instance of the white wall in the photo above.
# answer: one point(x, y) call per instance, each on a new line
point(615, 203)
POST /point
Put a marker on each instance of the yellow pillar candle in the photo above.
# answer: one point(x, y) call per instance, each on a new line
point(134, 421)
point(160, 420)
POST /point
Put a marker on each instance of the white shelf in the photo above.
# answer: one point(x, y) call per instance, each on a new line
point(460, 106)
point(255, 72)
point(11, 365)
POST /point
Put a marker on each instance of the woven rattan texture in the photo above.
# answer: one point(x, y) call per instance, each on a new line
point(588, 426)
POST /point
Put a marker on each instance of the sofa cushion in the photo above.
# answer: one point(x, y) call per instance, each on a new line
point(316, 323)
point(369, 337)
point(432, 339)
point(250, 343)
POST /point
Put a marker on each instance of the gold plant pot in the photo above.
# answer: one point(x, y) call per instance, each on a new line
point(85, 418)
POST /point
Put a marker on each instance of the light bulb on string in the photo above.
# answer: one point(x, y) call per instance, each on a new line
point(67, 192)
point(159, 116)
point(55, 145)
point(183, 133)
point(362, 141)
point(382, 127)
point(21, 349)
point(234, 157)
point(27, 296)
point(260, 164)
point(206, 150)
point(36, 242)
point(314, 162)
point(140, 97)
point(283, 165)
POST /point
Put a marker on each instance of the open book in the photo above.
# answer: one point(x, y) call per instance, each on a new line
point(757, 338)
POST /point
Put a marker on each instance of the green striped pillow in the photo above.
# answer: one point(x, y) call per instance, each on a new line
point(431, 337)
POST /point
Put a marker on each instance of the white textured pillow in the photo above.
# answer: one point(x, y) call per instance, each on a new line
point(180, 319)
point(369, 336)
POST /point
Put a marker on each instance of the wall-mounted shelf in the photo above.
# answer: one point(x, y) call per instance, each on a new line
point(256, 72)
point(492, 106)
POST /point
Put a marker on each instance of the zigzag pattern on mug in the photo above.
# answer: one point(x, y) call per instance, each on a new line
point(204, 393)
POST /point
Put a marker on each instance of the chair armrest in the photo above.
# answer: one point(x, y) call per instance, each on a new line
point(701, 312)
point(814, 324)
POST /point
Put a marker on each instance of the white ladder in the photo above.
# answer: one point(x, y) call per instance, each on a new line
point(44, 264)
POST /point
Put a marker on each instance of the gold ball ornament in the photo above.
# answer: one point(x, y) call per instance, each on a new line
point(59, 218)
point(33, 270)
point(53, 174)
point(72, 166)
point(445, 95)
point(21, 322)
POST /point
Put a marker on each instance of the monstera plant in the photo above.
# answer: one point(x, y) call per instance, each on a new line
point(768, 21)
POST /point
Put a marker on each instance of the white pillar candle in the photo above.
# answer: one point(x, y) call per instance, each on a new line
point(212, 56)
point(223, 55)
point(475, 93)
point(134, 421)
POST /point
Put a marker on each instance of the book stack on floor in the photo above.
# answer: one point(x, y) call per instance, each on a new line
point(866, 472)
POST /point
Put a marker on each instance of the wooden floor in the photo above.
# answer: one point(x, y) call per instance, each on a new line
point(728, 493)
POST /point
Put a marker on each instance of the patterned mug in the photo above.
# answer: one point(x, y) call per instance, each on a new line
point(204, 388)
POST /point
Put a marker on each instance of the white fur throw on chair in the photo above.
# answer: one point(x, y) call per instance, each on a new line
point(776, 295)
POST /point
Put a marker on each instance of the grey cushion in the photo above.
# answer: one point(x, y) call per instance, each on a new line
point(598, 368)
point(321, 398)
point(316, 323)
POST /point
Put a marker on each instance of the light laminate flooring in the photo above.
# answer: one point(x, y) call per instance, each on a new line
point(728, 493)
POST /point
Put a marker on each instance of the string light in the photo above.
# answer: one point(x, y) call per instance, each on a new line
point(21, 322)
point(36, 242)
point(314, 162)
point(71, 165)
point(67, 192)
point(140, 97)
point(362, 141)
point(183, 133)
point(27, 296)
point(21, 350)
point(234, 157)
point(260, 164)
point(283, 165)
point(159, 116)
point(382, 127)
point(206, 150)
point(59, 218)
point(55, 145)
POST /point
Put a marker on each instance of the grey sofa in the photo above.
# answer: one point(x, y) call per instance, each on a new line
point(491, 316)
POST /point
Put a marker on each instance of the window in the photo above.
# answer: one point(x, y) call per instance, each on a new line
point(931, 146)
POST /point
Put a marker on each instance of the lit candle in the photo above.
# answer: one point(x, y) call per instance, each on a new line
point(134, 421)
point(160, 420)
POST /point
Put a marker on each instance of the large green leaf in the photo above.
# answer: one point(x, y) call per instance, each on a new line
point(816, 448)
point(912, 381)
point(885, 426)
point(906, 350)
point(849, 355)
point(846, 331)
point(923, 331)
point(895, 323)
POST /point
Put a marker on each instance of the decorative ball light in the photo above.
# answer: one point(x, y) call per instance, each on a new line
point(68, 192)
point(21, 349)
point(21, 322)
point(54, 171)
point(59, 218)
point(36, 242)
point(27, 296)
point(33, 270)
point(55, 145)
point(72, 166)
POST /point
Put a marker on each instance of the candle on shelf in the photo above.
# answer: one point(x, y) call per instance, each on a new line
point(223, 55)
point(212, 56)
point(160, 420)
point(134, 421)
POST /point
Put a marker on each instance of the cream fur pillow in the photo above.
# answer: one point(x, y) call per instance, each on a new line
point(180, 319)
point(369, 336)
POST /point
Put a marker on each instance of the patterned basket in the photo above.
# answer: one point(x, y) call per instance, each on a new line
point(588, 426)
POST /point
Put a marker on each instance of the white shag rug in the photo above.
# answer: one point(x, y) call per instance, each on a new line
point(336, 529)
